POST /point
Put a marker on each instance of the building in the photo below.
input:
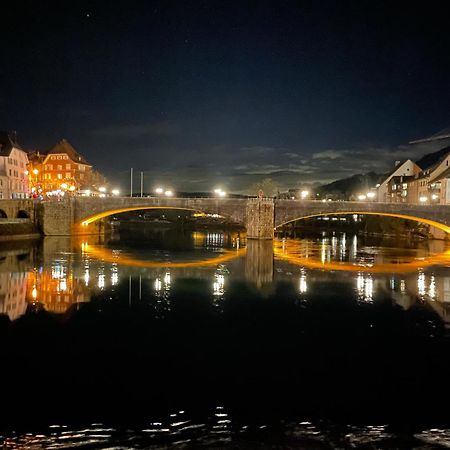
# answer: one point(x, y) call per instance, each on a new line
point(394, 188)
point(61, 168)
point(13, 167)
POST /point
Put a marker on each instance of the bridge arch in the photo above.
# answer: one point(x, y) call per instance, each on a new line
point(433, 223)
point(3, 214)
point(101, 215)
point(21, 214)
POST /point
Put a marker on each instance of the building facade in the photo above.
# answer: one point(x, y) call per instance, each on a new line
point(13, 168)
point(60, 169)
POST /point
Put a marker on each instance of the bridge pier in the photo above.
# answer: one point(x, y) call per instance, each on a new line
point(260, 218)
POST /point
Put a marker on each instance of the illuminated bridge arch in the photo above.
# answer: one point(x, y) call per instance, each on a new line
point(433, 223)
point(90, 210)
point(112, 212)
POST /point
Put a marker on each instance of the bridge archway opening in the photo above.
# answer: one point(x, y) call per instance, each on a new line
point(23, 214)
point(3, 214)
point(432, 223)
point(102, 215)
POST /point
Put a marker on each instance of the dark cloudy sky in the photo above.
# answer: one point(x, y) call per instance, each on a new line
point(202, 93)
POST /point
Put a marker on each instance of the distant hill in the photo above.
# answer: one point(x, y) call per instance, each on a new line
point(430, 159)
point(346, 187)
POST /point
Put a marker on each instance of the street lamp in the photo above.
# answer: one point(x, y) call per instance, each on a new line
point(304, 194)
point(102, 189)
point(115, 192)
point(159, 190)
point(361, 197)
point(168, 193)
point(423, 199)
point(371, 195)
point(219, 192)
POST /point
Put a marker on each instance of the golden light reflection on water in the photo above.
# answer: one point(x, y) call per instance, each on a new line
point(297, 253)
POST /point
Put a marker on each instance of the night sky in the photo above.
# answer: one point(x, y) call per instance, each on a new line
point(200, 94)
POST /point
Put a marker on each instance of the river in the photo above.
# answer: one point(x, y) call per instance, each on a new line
point(169, 337)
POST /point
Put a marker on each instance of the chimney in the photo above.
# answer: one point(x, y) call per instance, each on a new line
point(14, 136)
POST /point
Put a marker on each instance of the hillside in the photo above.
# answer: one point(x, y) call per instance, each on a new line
point(346, 187)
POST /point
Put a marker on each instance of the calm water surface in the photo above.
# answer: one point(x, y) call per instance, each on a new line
point(310, 314)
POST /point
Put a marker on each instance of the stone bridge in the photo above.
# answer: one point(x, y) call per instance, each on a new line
point(82, 215)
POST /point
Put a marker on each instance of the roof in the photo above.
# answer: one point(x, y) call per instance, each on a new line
point(433, 159)
point(64, 146)
point(444, 174)
point(389, 175)
point(8, 141)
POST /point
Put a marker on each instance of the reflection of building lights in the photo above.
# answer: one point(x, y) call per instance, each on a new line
point(101, 280)
point(432, 291)
point(218, 285)
point(364, 287)
point(167, 279)
point(303, 286)
point(402, 286)
point(86, 277)
point(421, 284)
point(392, 283)
point(34, 292)
point(158, 285)
point(114, 278)
point(63, 285)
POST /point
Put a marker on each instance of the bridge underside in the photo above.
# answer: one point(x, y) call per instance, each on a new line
point(440, 226)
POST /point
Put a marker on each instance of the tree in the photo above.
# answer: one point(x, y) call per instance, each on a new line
point(267, 186)
point(94, 179)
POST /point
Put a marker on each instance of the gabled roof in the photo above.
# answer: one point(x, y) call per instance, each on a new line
point(8, 141)
point(65, 147)
point(389, 175)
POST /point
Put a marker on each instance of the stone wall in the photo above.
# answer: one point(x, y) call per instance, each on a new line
point(260, 218)
point(55, 218)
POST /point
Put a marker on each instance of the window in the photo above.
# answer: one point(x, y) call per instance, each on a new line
point(59, 167)
point(67, 174)
point(68, 166)
point(59, 176)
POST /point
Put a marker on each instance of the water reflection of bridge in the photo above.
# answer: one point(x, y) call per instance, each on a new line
point(79, 271)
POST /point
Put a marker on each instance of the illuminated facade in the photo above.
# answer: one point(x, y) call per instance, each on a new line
point(62, 168)
point(13, 168)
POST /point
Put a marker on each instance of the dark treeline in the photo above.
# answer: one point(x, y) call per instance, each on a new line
point(329, 357)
